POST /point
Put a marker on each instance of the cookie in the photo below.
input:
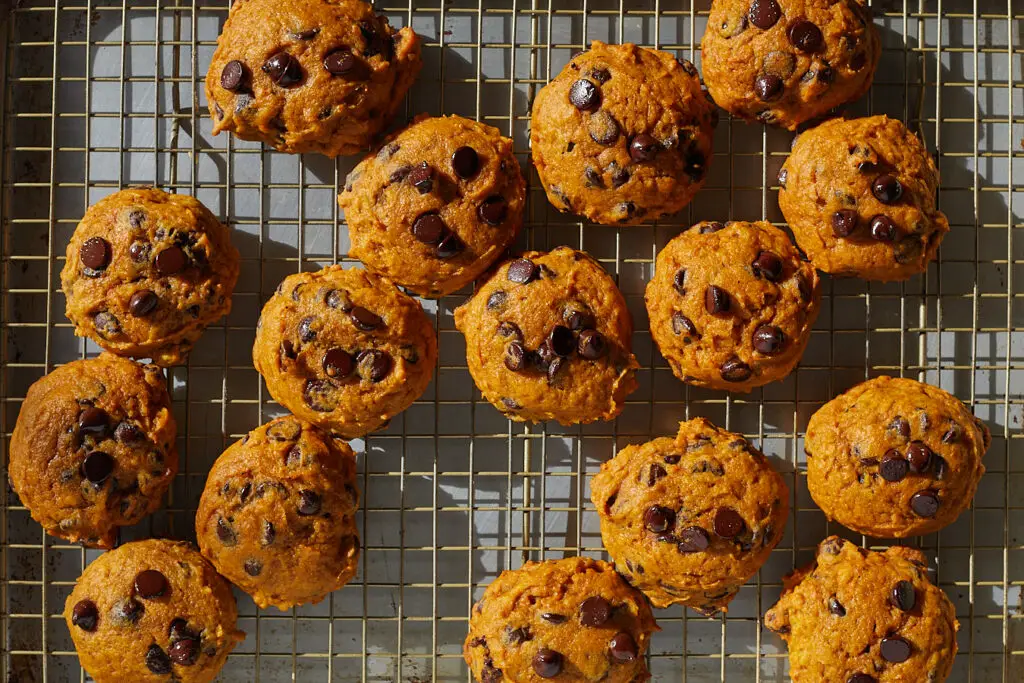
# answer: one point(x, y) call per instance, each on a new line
point(573, 620)
point(93, 448)
point(857, 616)
point(786, 62)
point(277, 515)
point(859, 196)
point(548, 337)
point(344, 349)
point(893, 457)
point(438, 204)
point(146, 272)
point(731, 305)
point(309, 75)
point(151, 612)
point(622, 135)
point(690, 519)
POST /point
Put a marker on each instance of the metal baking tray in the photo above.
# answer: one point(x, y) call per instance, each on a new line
point(100, 94)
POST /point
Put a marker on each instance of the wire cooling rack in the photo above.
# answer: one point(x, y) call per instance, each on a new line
point(99, 95)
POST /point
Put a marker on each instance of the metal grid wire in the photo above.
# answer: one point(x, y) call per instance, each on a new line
point(99, 94)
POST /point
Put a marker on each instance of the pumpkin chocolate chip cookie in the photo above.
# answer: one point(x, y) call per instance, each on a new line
point(787, 62)
point(859, 195)
point(731, 306)
point(93, 448)
point(146, 272)
point(857, 616)
point(573, 620)
point(277, 516)
point(309, 75)
point(548, 337)
point(622, 135)
point(690, 519)
point(438, 204)
point(894, 457)
point(151, 612)
point(344, 349)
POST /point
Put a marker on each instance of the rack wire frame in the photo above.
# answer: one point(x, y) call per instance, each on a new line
point(99, 94)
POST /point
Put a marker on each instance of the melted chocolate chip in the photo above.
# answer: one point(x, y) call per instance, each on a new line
point(107, 324)
point(655, 473)
point(283, 69)
point(139, 251)
point(764, 13)
point(768, 87)
point(925, 503)
point(595, 611)
point(97, 467)
point(225, 533)
point(622, 647)
point(900, 426)
point(233, 76)
point(805, 36)
point(374, 365)
point(952, 434)
point(844, 222)
point(919, 456)
point(150, 584)
point(364, 319)
point(768, 265)
point(343, 63)
point(861, 678)
point(254, 567)
point(142, 303)
point(547, 663)
point(157, 660)
point(584, 95)
point(184, 652)
point(496, 300)
point(309, 502)
point(679, 281)
point(591, 345)
point(493, 210)
point(735, 370)
point(338, 299)
point(693, 539)
point(170, 261)
point(95, 253)
point(562, 342)
point(659, 519)
point(306, 331)
point(883, 228)
point(521, 271)
point(895, 649)
point(716, 300)
point(578, 320)
point(768, 339)
point(553, 618)
point(85, 615)
point(422, 178)
point(338, 363)
point(429, 228)
point(515, 356)
point(268, 533)
point(643, 147)
point(887, 188)
point(94, 421)
point(904, 595)
point(728, 523)
point(836, 607)
point(449, 246)
point(893, 467)
point(465, 162)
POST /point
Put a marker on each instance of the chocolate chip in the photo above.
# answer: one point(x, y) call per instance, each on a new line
point(139, 251)
point(493, 210)
point(887, 189)
point(521, 271)
point(805, 36)
point(184, 652)
point(94, 421)
point(584, 95)
point(254, 567)
point(735, 370)
point(622, 647)
point(150, 584)
point(716, 300)
point(836, 607)
point(620, 177)
point(593, 178)
point(309, 502)
point(883, 228)
point(288, 349)
point(374, 365)
point(643, 147)
point(925, 503)
point(338, 299)
point(710, 227)
point(803, 286)
point(364, 319)
point(179, 629)
point(225, 533)
point(95, 253)
point(429, 228)
point(507, 328)
point(672, 459)
point(283, 69)
point(655, 473)
point(764, 13)
point(679, 281)
point(893, 467)
point(170, 261)
point(268, 533)
point(233, 76)
point(904, 595)
point(85, 615)
point(844, 222)
point(554, 366)
point(768, 265)
point(861, 678)
point(338, 363)
point(127, 611)
point(578, 320)
point(768, 87)
point(107, 324)
point(343, 63)
point(595, 611)
point(600, 75)
point(400, 174)
point(515, 356)
point(603, 128)
point(157, 660)
point(465, 162)
point(591, 345)
point(693, 539)
point(768, 339)
point(940, 467)
point(510, 403)
point(895, 649)
point(900, 426)
point(496, 300)
point(562, 342)
point(659, 519)
point(728, 523)
point(952, 434)
point(547, 663)
point(97, 467)
point(142, 303)
point(306, 331)
point(449, 246)
point(919, 456)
